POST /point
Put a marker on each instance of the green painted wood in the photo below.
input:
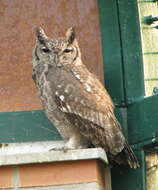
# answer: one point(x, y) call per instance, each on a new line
point(111, 49)
point(121, 115)
point(131, 50)
point(124, 178)
point(119, 18)
point(26, 126)
point(143, 120)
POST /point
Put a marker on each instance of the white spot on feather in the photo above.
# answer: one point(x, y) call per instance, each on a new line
point(77, 76)
point(68, 107)
point(66, 90)
point(79, 114)
point(82, 102)
point(74, 72)
point(88, 88)
point(81, 80)
point(76, 99)
point(85, 116)
point(56, 93)
point(98, 98)
point(59, 86)
point(63, 109)
point(78, 61)
point(74, 112)
point(62, 98)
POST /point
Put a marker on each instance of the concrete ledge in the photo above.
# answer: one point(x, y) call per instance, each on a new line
point(85, 186)
point(33, 166)
point(38, 152)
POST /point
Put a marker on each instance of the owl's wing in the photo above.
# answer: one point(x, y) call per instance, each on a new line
point(92, 113)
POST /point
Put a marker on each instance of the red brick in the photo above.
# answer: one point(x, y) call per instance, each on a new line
point(60, 173)
point(6, 173)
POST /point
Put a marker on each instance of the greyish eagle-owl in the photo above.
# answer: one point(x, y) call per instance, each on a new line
point(74, 99)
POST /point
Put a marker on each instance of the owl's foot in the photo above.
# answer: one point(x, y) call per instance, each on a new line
point(64, 149)
point(75, 142)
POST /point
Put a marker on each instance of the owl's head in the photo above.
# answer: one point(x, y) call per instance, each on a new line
point(56, 51)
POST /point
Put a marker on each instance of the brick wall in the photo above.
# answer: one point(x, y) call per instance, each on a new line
point(53, 174)
point(76, 169)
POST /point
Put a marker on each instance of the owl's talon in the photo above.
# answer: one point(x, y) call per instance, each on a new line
point(64, 149)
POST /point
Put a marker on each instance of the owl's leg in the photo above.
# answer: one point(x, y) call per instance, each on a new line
point(77, 141)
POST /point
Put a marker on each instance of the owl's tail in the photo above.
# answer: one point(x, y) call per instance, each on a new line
point(127, 156)
point(130, 156)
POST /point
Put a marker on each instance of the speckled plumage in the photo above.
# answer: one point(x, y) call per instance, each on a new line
point(74, 99)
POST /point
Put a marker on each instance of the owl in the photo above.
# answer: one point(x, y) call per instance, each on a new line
point(74, 99)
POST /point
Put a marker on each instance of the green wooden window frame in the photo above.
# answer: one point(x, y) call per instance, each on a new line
point(25, 126)
point(119, 20)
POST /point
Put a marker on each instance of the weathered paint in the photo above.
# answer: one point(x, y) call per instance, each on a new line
point(25, 126)
point(18, 22)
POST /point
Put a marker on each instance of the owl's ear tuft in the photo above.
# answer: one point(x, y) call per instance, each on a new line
point(40, 34)
point(70, 35)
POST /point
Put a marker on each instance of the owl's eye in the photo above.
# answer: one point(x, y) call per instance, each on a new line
point(45, 50)
point(67, 50)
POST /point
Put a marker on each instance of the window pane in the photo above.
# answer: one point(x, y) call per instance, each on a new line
point(148, 14)
point(152, 171)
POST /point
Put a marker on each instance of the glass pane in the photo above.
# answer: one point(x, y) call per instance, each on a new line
point(152, 171)
point(148, 14)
